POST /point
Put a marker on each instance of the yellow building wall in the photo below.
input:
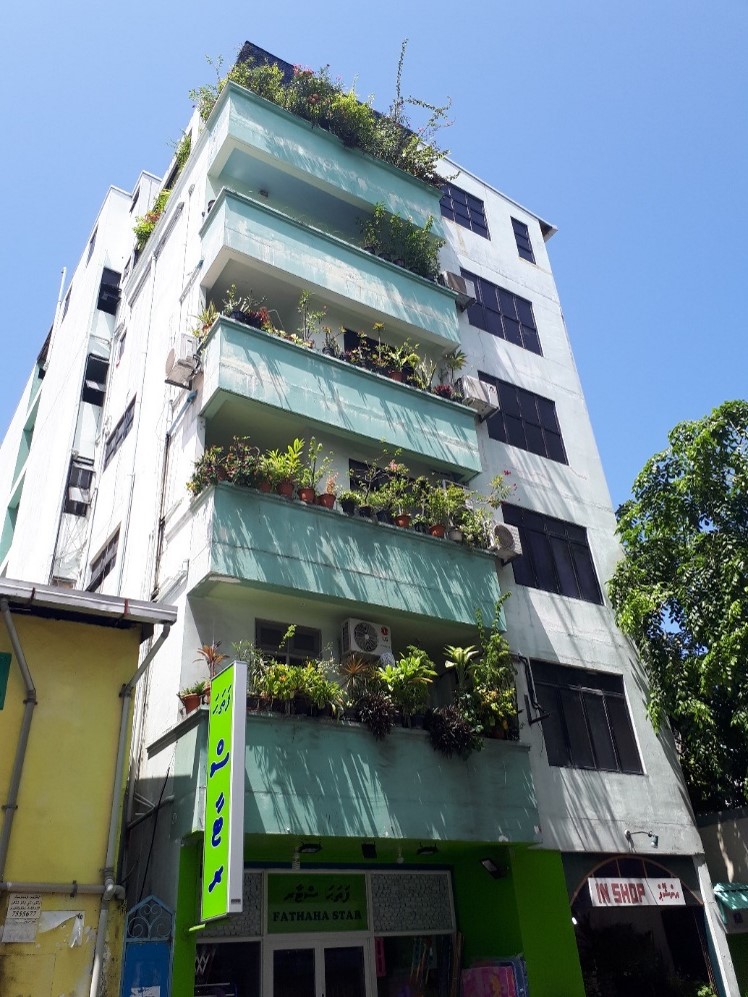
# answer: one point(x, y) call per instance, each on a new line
point(61, 825)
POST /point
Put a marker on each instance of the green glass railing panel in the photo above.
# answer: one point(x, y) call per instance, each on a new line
point(327, 266)
point(337, 396)
point(287, 546)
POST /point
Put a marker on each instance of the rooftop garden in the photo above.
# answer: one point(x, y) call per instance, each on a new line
point(326, 103)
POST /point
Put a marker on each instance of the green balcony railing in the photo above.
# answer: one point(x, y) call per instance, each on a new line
point(238, 228)
point(284, 546)
point(336, 396)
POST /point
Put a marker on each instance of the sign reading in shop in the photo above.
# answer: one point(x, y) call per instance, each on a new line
point(223, 838)
point(316, 902)
point(636, 892)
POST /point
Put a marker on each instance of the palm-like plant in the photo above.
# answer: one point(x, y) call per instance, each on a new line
point(211, 656)
point(459, 658)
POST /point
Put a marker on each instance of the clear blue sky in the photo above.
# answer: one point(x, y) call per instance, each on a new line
point(624, 124)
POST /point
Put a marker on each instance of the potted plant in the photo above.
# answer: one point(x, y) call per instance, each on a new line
point(242, 460)
point(376, 709)
point(437, 510)
point(245, 650)
point(209, 470)
point(350, 500)
point(205, 320)
point(311, 319)
point(451, 732)
point(313, 468)
point(399, 359)
point(192, 696)
point(282, 467)
point(408, 681)
point(381, 503)
point(210, 654)
point(327, 497)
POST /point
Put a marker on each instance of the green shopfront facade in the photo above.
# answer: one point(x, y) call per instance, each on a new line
point(364, 868)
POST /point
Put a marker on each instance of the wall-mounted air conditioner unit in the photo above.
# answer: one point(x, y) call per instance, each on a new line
point(182, 362)
point(507, 544)
point(483, 398)
point(462, 286)
point(366, 638)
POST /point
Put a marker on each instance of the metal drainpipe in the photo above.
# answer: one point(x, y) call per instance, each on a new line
point(110, 887)
point(11, 805)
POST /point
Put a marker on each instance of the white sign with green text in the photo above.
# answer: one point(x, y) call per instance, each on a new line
point(223, 838)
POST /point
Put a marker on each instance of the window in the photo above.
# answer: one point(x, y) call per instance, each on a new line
point(109, 291)
point(298, 648)
point(118, 434)
point(525, 420)
point(66, 303)
point(134, 200)
point(588, 724)
point(91, 244)
point(78, 491)
point(522, 238)
point(464, 209)
point(104, 562)
point(94, 380)
point(504, 314)
point(555, 555)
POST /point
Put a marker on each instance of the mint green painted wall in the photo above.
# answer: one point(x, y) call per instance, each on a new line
point(337, 396)
point(548, 940)
point(325, 265)
point(269, 133)
point(342, 558)
point(185, 916)
point(329, 779)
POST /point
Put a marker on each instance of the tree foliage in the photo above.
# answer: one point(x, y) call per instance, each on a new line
point(681, 593)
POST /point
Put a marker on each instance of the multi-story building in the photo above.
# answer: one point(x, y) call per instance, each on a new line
point(575, 816)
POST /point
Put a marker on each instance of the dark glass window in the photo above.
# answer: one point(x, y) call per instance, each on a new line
point(503, 313)
point(525, 420)
point(91, 244)
point(464, 209)
point(587, 724)
point(302, 645)
point(94, 380)
point(78, 491)
point(104, 562)
point(555, 555)
point(522, 238)
point(66, 303)
point(116, 437)
point(109, 291)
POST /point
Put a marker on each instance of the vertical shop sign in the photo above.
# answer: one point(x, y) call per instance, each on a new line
point(223, 837)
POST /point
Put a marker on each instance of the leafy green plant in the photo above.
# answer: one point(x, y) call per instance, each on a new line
point(311, 318)
point(314, 466)
point(459, 659)
point(209, 469)
point(212, 657)
point(205, 319)
point(396, 238)
point(408, 680)
point(198, 689)
point(278, 466)
point(242, 462)
point(145, 224)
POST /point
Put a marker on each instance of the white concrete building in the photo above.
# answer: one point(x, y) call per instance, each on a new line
point(93, 473)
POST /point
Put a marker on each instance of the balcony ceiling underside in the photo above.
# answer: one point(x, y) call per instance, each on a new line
point(273, 246)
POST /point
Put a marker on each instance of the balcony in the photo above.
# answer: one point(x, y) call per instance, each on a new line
point(399, 788)
point(276, 376)
point(254, 238)
point(277, 545)
point(257, 145)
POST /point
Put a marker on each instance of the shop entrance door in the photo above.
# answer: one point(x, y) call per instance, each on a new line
point(335, 967)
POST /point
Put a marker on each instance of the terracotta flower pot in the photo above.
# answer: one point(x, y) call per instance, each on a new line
point(402, 520)
point(437, 530)
point(264, 486)
point(191, 701)
point(285, 488)
point(307, 495)
point(395, 375)
point(326, 499)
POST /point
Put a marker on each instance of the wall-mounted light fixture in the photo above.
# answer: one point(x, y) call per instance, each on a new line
point(493, 869)
point(654, 838)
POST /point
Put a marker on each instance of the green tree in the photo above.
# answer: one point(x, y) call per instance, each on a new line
point(681, 594)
